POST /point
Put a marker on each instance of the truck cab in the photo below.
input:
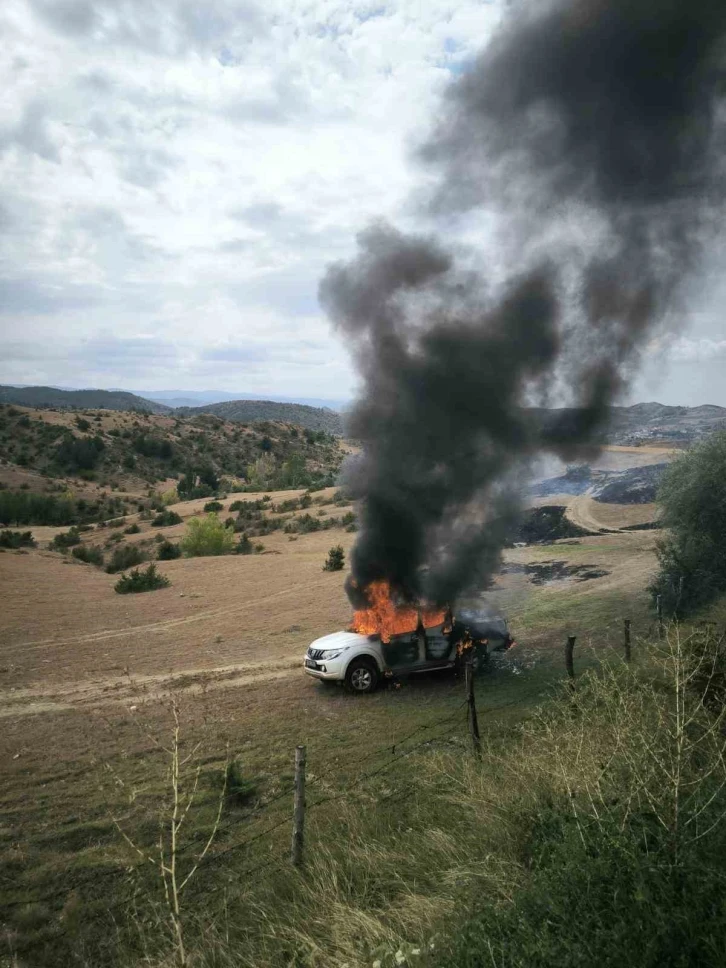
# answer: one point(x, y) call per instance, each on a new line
point(361, 661)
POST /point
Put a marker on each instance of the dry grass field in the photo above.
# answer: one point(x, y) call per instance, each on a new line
point(86, 678)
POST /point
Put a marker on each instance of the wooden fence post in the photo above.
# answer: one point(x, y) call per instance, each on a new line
point(471, 706)
point(298, 819)
point(659, 613)
point(569, 658)
point(627, 639)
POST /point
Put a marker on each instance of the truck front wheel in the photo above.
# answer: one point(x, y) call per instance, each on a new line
point(362, 676)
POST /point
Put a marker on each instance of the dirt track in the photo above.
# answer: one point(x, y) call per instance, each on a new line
point(67, 638)
point(584, 511)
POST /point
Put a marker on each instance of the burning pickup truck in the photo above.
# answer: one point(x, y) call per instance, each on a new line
point(387, 640)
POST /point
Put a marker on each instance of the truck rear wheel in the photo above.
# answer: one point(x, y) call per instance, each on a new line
point(362, 676)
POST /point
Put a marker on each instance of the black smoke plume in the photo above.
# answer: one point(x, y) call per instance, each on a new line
point(590, 132)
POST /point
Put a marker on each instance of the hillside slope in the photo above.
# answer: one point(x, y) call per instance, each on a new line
point(247, 411)
point(78, 399)
point(654, 421)
point(132, 450)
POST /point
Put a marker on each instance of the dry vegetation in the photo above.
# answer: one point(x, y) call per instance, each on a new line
point(405, 830)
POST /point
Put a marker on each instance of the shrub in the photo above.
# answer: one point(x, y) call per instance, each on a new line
point(207, 536)
point(153, 447)
point(91, 554)
point(16, 539)
point(141, 581)
point(167, 551)
point(348, 518)
point(335, 560)
point(244, 547)
point(211, 506)
point(239, 789)
point(613, 819)
point(692, 556)
point(82, 424)
point(126, 556)
point(305, 524)
point(170, 497)
point(165, 519)
point(132, 529)
point(66, 539)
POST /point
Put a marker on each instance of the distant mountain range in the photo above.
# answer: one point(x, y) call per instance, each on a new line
point(243, 411)
point(638, 424)
point(200, 398)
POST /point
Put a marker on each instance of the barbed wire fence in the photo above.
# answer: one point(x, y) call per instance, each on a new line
point(222, 857)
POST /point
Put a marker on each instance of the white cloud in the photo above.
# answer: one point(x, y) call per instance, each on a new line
point(686, 350)
point(176, 175)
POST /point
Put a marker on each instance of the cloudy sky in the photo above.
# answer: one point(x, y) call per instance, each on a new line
point(176, 174)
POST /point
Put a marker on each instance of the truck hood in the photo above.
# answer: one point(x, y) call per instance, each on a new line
point(339, 640)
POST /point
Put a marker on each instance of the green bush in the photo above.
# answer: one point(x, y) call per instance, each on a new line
point(167, 551)
point(207, 536)
point(132, 529)
point(244, 546)
point(170, 497)
point(16, 539)
point(123, 557)
point(211, 506)
point(141, 581)
point(335, 560)
point(91, 554)
point(165, 519)
point(66, 539)
point(692, 556)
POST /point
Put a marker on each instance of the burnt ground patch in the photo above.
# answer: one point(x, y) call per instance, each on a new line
point(546, 524)
point(549, 572)
point(639, 485)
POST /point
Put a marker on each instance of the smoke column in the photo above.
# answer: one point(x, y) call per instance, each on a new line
point(589, 132)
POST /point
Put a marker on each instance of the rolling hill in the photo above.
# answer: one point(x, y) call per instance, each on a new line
point(654, 421)
point(248, 411)
point(46, 397)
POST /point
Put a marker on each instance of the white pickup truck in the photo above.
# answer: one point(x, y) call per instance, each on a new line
point(361, 661)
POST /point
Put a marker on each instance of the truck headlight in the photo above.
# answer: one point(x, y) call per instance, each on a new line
point(332, 653)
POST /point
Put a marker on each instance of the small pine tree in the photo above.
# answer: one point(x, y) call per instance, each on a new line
point(244, 546)
point(335, 560)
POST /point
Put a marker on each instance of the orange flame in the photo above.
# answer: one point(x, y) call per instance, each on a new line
point(383, 617)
